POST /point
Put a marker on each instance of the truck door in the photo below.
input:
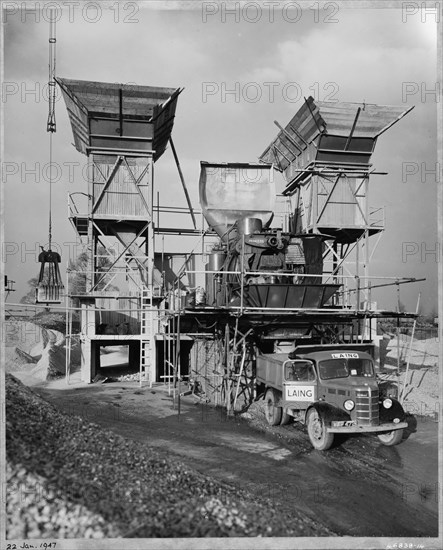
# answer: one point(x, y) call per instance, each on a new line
point(299, 384)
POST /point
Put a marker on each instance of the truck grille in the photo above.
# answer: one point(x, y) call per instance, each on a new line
point(366, 406)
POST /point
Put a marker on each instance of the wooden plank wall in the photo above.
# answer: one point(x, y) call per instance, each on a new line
point(121, 197)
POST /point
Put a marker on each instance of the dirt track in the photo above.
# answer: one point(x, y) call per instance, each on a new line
point(359, 488)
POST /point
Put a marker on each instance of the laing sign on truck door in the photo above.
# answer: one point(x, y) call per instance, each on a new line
point(300, 393)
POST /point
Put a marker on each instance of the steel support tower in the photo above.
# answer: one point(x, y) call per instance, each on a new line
point(123, 130)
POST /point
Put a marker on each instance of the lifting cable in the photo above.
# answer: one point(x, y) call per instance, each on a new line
point(51, 125)
point(49, 283)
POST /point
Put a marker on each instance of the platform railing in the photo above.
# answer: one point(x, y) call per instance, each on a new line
point(351, 290)
point(73, 209)
point(377, 217)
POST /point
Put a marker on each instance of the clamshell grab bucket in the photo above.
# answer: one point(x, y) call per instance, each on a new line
point(49, 285)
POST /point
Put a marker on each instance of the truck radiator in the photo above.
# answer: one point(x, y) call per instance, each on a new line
point(367, 407)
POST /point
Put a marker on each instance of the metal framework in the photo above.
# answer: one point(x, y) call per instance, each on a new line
point(224, 338)
point(324, 153)
point(122, 130)
point(212, 347)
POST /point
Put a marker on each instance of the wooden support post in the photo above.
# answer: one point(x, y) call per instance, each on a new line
point(313, 116)
point(405, 383)
point(173, 361)
point(398, 330)
point(288, 135)
point(242, 279)
point(348, 141)
point(88, 331)
point(314, 183)
point(226, 367)
point(240, 375)
point(182, 179)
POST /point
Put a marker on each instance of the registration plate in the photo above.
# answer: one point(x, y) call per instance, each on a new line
point(337, 423)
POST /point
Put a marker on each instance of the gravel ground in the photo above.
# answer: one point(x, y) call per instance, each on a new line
point(68, 478)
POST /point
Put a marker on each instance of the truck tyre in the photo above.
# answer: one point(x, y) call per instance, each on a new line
point(391, 438)
point(272, 412)
point(320, 438)
point(285, 418)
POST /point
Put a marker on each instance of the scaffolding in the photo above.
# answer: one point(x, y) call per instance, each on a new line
point(226, 338)
point(207, 349)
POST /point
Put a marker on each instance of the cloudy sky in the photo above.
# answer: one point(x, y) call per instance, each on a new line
point(267, 61)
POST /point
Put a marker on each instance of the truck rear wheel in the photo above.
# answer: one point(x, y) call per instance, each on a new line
point(272, 412)
point(391, 438)
point(320, 438)
point(285, 418)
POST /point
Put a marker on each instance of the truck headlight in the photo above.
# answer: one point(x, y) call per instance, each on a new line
point(387, 403)
point(349, 404)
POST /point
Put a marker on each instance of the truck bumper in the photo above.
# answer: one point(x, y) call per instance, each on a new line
point(367, 429)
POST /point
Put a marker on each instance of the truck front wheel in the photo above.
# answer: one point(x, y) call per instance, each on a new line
point(391, 438)
point(272, 412)
point(320, 438)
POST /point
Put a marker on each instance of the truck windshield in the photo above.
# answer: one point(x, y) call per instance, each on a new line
point(299, 371)
point(342, 368)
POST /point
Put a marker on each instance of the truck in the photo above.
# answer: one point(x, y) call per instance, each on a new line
point(331, 389)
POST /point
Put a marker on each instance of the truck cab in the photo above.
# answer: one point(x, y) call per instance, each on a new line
point(331, 389)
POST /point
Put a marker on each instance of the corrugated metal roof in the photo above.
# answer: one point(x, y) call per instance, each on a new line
point(103, 97)
point(315, 117)
point(87, 98)
point(339, 117)
point(163, 118)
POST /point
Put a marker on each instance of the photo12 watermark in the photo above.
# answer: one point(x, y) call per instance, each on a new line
point(423, 172)
point(38, 92)
point(72, 12)
point(66, 172)
point(425, 92)
point(421, 11)
point(424, 491)
point(423, 252)
point(270, 12)
point(24, 252)
point(267, 92)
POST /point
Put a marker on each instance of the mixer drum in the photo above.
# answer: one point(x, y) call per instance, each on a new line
point(249, 226)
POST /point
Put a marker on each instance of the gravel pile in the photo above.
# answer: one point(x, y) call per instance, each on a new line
point(134, 377)
point(70, 478)
point(421, 394)
point(421, 353)
point(16, 362)
point(35, 510)
point(51, 320)
point(38, 349)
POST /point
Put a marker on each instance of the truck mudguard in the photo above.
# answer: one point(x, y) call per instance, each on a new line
point(328, 412)
point(396, 411)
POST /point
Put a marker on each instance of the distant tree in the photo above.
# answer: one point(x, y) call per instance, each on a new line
point(79, 267)
point(29, 297)
point(77, 276)
point(431, 316)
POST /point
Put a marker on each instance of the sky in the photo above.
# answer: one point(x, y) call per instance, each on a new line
point(240, 71)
